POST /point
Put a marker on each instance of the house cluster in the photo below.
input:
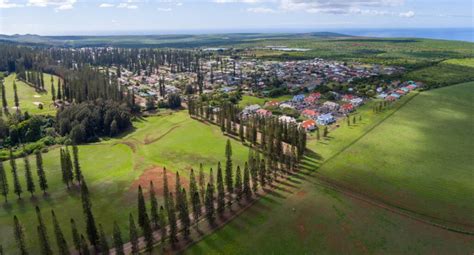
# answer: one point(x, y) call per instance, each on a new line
point(397, 89)
point(312, 109)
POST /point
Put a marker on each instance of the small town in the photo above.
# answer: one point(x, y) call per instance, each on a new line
point(256, 78)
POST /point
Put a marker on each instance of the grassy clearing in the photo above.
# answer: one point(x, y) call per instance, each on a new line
point(306, 217)
point(419, 159)
point(111, 169)
point(469, 62)
point(28, 96)
point(249, 100)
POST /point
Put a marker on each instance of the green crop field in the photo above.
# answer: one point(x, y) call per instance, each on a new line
point(28, 97)
point(113, 170)
point(307, 216)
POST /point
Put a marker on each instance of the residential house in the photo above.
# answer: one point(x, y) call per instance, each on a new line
point(332, 106)
point(263, 113)
point(325, 119)
point(272, 103)
point(298, 98)
point(310, 114)
point(357, 101)
point(309, 125)
point(251, 109)
point(347, 108)
point(287, 119)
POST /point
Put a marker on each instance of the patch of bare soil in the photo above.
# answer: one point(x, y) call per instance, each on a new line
point(155, 174)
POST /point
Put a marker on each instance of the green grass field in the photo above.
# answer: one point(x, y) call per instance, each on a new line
point(113, 170)
point(419, 159)
point(469, 62)
point(28, 96)
point(306, 217)
point(249, 100)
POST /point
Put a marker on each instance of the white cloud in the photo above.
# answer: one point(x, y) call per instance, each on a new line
point(240, 1)
point(335, 6)
point(261, 10)
point(106, 5)
point(127, 5)
point(408, 14)
point(58, 4)
point(4, 4)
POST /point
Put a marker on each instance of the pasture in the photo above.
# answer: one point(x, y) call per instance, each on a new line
point(420, 159)
point(401, 148)
point(28, 97)
point(113, 170)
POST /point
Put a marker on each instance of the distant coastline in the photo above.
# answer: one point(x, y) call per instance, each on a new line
point(457, 34)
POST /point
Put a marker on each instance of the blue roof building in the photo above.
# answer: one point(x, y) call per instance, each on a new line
point(298, 98)
point(325, 119)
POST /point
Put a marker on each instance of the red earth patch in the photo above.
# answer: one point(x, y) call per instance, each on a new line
point(155, 174)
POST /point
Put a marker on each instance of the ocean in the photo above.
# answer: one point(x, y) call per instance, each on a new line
point(458, 34)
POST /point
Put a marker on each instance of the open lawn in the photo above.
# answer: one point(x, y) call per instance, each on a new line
point(420, 159)
point(249, 100)
point(28, 97)
point(306, 215)
point(113, 170)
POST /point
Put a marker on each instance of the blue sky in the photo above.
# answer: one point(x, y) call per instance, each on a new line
point(53, 17)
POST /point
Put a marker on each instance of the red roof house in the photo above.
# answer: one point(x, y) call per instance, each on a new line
point(347, 108)
point(309, 113)
point(263, 112)
point(309, 125)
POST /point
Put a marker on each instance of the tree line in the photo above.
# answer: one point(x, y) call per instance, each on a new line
point(207, 196)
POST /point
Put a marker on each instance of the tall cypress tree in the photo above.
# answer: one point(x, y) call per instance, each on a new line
point(4, 97)
point(15, 95)
point(155, 217)
point(104, 245)
point(118, 241)
point(148, 233)
point(76, 238)
point(77, 166)
point(202, 183)
point(58, 233)
point(53, 92)
point(209, 202)
point(133, 235)
point(163, 224)
point(195, 198)
point(3, 182)
point(238, 183)
point(263, 173)
point(172, 220)
point(16, 181)
point(165, 189)
point(178, 188)
point(142, 214)
point(84, 250)
point(43, 234)
point(19, 236)
point(228, 168)
point(30, 184)
point(69, 166)
point(247, 190)
point(184, 213)
point(220, 191)
point(91, 228)
point(43, 182)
